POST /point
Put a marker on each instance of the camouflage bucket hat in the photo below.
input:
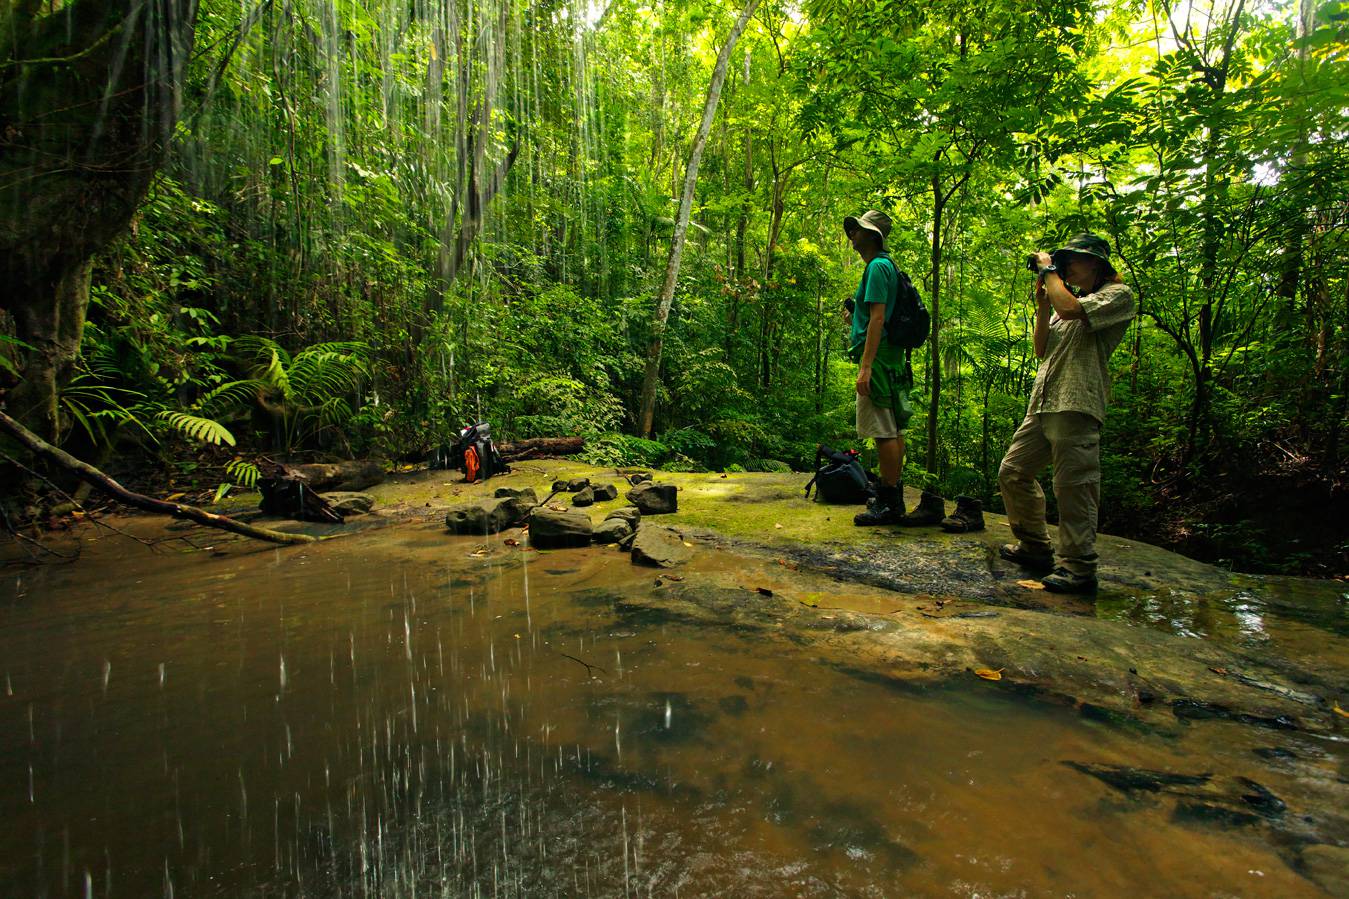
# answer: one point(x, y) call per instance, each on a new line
point(871, 220)
point(1087, 244)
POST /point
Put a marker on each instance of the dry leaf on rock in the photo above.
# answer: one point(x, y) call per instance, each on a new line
point(989, 673)
point(1339, 711)
point(1030, 585)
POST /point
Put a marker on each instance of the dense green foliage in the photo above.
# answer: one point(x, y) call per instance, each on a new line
point(385, 219)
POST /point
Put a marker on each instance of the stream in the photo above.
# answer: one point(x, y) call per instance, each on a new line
point(402, 713)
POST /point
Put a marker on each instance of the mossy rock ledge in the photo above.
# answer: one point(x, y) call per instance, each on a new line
point(1163, 633)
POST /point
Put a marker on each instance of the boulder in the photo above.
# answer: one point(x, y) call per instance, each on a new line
point(659, 546)
point(639, 477)
point(605, 492)
point(549, 529)
point(523, 493)
point(350, 503)
point(584, 498)
point(612, 530)
point(488, 517)
point(559, 486)
point(655, 499)
point(578, 484)
point(630, 514)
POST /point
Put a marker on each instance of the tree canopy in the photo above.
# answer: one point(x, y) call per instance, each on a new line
point(438, 211)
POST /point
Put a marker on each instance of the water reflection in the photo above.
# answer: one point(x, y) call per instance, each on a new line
point(401, 716)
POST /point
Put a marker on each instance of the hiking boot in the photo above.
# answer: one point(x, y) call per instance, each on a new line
point(1034, 559)
point(887, 507)
point(1065, 581)
point(968, 516)
point(928, 512)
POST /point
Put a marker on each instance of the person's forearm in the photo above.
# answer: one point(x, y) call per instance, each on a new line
point(875, 329)
point(1042, 313)
point(1061, 298)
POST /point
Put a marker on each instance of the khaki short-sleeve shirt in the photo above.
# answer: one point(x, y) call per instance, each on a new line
point(1075, 375)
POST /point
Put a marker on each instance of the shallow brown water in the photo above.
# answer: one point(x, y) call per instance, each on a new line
point(392, 715)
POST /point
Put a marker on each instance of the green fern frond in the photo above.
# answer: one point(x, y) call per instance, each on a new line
point(197, 428)
point(230, 397)
point(242, 472)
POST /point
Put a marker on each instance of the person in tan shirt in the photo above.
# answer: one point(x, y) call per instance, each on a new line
point(1083, 309)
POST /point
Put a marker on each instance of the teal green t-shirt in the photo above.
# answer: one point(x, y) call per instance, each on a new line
point(880, 282)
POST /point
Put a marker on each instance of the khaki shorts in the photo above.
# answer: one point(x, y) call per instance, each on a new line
point(875, 421)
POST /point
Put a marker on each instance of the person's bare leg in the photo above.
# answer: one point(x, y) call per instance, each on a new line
point(890, 453)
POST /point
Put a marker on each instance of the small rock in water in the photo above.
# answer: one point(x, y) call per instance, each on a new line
point(487, 517)
point(1261, 799)
point(605, 492)
point(1129, 779)
point(659, 546)
point(549, 529)
point(612, 530)
point(1208, 813)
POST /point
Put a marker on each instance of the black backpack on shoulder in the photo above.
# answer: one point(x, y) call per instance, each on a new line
point(909, 323)
point(839, 477)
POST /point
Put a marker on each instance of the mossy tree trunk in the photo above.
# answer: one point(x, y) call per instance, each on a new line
point(89, 97)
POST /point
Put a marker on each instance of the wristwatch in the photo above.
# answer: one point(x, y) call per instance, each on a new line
point(1049, 269)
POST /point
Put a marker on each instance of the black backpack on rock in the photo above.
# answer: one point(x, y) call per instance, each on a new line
point(473, 453)
point(839, 477)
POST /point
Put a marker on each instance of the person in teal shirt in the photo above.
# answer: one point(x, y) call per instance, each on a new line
point(884, 406)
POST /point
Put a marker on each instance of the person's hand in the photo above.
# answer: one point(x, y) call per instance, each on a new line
point(864, 380)
point(1043, 259)
point(1041, 295)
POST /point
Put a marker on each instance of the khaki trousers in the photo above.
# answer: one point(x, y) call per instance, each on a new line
point(1072, 442)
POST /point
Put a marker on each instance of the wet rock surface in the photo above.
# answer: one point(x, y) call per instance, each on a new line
point(549, 529)
point(659, 546)
point(655, 499)
point(488, 517)
point(612, 530)
point(347, 503)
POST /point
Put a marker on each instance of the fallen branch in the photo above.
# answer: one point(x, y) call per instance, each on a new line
point(88, 473)
point(538, 447)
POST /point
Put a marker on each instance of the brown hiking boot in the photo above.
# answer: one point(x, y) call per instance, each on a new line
point(968, 516)
point(886, 507)
point(1065, 581)
point(928, 512)
point(1033, 559)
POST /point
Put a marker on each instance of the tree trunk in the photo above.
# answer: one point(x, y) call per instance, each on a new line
point(89, 96)
point(1291, 267)
point(666, 298)
point(938, 207)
